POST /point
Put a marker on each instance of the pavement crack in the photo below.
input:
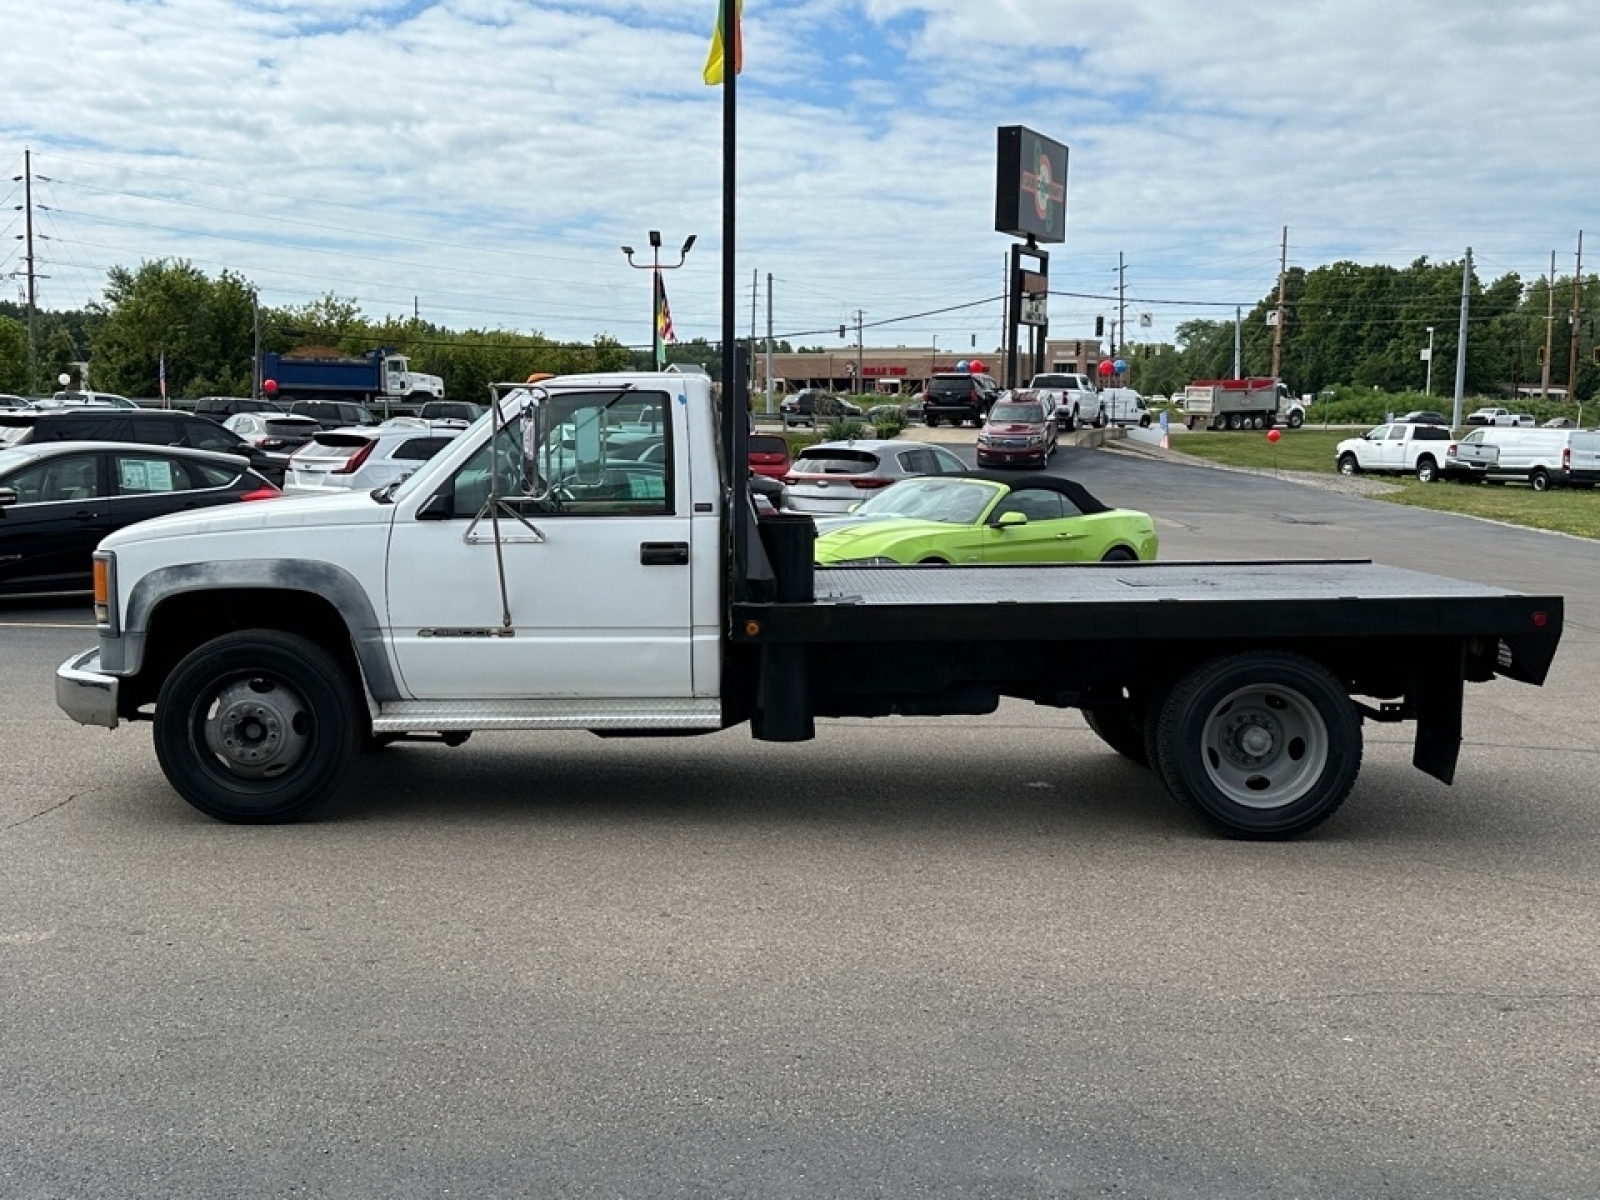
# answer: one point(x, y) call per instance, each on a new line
point(43, 812)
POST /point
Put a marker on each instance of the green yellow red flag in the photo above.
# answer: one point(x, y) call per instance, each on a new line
point(714, 60)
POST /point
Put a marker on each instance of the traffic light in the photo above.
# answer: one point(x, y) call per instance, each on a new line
point(841, 331)
point(1099, 327)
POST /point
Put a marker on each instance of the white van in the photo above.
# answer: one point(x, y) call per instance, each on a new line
point(1544, 457)
point(1124, 406)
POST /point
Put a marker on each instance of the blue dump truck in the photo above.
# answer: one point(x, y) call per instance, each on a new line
point(380, 378)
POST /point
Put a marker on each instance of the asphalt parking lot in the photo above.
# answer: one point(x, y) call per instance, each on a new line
point(978, 958)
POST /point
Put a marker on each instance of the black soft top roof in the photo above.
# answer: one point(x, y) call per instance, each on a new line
point(1076, 492)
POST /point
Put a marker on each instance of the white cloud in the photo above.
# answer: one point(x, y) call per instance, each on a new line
point(489, 156)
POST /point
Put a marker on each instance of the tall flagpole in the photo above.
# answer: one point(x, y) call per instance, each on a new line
point(735, 429)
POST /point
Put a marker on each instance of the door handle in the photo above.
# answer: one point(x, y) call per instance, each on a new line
point(84, 514)
point(664, 554)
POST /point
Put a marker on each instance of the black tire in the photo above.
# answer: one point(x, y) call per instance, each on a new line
point(257, 727)
point(1348, 465)
point(1191, 422)
point(1122, 728)
point(1072, 422)
point(930, 420)
point(933, 562)
point(1144, 422)
point(1119, 554)
point(1100, 419)
point(1261, 745)
point(1234, 421)
point(1296, 420)
point(1258, 422)
point(1539, 481)
point(1427, 470)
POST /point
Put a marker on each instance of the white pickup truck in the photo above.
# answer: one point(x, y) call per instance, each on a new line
point(587, 557)
point(1429, 452)
point(1075, 399)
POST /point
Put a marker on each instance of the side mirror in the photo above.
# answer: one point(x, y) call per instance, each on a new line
point(1007, 520)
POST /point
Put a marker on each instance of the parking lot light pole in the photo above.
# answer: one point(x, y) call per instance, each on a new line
point(658, 349)
point(1427, 388)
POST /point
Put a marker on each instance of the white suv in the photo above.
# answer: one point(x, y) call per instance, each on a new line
point(364, 457)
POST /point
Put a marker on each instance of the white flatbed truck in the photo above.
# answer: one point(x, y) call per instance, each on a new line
point(586, 556)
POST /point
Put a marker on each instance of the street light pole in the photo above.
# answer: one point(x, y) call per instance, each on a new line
point(657, 349)
point(1427, 388)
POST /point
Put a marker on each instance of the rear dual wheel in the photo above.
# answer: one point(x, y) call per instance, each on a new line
point(1261, 745)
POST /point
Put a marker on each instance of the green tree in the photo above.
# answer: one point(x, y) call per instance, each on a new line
point(13, 356)
point(169, 310)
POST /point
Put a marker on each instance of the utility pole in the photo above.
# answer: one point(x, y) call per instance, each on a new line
point(861, 379)
point(1238, 357)
point(1461, 339)
point(1577, 310)
point(1549, 328)
point(26, 180)
point(769, 343)
point(1122, 305)
point(1277, 325)
point(255, 360)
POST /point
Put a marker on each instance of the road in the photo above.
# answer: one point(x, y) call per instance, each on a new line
point(948, 958)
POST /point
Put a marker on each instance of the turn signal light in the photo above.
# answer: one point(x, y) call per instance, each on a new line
point(266, 493)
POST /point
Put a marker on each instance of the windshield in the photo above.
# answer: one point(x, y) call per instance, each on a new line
point(953, 501)
point(1025, 414)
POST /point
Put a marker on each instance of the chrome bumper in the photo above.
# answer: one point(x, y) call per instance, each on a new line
point(84, 694)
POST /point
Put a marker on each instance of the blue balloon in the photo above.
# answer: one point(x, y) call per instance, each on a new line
point(1121, 366)
point(962, 365)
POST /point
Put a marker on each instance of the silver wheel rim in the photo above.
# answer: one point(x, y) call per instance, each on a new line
point(257, 728)
point(1347, 466)
point(1264, 746)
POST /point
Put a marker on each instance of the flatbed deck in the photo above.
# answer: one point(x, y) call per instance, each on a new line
point(1177, 600)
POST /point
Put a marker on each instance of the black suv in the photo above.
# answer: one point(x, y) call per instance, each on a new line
point(957, 397)
point(225, 406)
point(334, 414)
point(806, 405)
point(146, 426)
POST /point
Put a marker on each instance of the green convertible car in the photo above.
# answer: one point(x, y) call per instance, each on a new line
point(978, 518)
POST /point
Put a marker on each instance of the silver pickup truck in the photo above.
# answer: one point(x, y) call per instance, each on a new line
point(1474, 455)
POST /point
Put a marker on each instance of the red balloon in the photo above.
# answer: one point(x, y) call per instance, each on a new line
point(975, 366)
point(269, 386)
point(1106, 368)
point(1273, 435)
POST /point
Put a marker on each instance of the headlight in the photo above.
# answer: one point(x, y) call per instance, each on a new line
point(983, 439)
point(1036, 439)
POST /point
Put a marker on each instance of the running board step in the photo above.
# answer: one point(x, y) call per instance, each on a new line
point(419, 716)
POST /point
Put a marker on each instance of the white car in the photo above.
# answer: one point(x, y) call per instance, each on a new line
point(833, 477)
point(364, 457)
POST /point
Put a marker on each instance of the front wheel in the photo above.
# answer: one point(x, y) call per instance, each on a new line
point(257, 727)
point(1296, 420)
point(1348, 465)
point(1261, 745)
point(930, 421)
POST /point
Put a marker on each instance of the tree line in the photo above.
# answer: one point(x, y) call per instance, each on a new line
point(1345, 323)
point(1367, 326)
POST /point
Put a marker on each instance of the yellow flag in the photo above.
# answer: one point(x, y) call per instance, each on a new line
point(713, 72)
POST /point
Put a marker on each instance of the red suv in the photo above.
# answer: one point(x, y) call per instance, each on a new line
point(769, 455)
point(1017, 432)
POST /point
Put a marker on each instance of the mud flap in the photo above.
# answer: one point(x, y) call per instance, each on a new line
point(1440, 683)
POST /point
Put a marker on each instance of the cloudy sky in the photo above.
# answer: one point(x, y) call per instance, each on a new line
point(484, 159)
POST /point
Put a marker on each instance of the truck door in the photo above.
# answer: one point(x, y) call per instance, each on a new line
point(593, 536)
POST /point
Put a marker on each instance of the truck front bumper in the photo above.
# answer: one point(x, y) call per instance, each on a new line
point(84, 693)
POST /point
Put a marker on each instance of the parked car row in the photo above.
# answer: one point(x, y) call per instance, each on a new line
point(1539, 457)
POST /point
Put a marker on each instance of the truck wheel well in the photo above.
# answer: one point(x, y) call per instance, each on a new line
point(183, 622)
